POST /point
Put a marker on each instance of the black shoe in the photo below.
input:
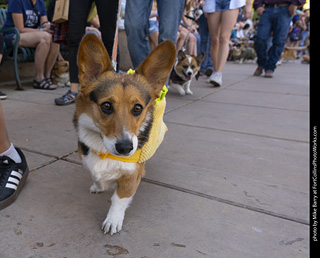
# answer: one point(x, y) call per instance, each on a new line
point(12, 178)
point(208, 72)
point(3, 95)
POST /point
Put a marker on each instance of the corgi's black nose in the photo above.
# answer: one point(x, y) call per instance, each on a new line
point(124, 147)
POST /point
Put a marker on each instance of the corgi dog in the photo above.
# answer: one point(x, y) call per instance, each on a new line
point(114, 119)
point(242, 53)
point(184, 70)
point(60, 73)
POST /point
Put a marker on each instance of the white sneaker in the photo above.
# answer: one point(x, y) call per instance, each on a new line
point(216, 79)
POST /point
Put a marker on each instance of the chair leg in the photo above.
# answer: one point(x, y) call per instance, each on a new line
point(16, 74)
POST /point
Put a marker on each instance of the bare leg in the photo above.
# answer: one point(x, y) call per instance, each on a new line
point(220, 27)
point(181, 39)
point(4, 137)
point(192, 45)
point(42, 42)
point(51, 59)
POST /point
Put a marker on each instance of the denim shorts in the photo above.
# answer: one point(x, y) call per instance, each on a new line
point(211, 6)
point(153, 26)
point(222, 5)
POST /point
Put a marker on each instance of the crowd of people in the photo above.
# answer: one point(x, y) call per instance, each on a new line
point(196, 26)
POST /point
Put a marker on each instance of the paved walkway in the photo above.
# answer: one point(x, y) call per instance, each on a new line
point(231, 178)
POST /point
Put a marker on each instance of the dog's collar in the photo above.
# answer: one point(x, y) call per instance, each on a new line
point(133, 158)
point(156, 135)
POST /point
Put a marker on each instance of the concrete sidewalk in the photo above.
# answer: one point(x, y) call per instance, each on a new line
point(231, 178)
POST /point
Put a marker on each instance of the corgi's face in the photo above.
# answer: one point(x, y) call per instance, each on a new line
point(61, 67)
point(238, 49)
point(187, 66)
point(115, 110)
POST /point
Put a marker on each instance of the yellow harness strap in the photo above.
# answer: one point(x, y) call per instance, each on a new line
point(156, 135)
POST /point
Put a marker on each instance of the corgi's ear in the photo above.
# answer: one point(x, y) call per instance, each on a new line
point(158, 65)
point(181, 55)
point(93, 59)
point(200, 58)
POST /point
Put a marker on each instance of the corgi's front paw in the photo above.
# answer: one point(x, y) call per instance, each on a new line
point(189, 92)
point(181, 92)
point(113, 222)
point(114, 219)
point(95, 189)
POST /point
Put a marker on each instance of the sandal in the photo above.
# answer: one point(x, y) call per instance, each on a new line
point(52, 85)
point(66, 99)
point(43, 85)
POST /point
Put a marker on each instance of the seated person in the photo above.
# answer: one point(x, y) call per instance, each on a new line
point(30, 18)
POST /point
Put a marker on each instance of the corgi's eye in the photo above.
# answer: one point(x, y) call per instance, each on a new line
point(185, 66)
point(192, 66)
point(137, 109)
point(106, 107)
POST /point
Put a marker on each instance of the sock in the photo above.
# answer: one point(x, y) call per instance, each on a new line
point(12, 154)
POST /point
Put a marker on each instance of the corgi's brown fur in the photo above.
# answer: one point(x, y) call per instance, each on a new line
point(60, 73)
point(114, 115)
point(185, 69)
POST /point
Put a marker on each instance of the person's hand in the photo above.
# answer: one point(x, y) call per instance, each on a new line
point(247, 11)
point(260, 10)
point(93, 30)
point(45, 26)
point(292, 9)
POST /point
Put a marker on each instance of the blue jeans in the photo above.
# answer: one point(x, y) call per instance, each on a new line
point(137, 25)
point(276, 20)
point(205, 43)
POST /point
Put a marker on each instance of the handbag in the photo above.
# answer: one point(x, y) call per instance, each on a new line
point(61, 11)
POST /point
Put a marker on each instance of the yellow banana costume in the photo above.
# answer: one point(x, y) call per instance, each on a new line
point(156, 135)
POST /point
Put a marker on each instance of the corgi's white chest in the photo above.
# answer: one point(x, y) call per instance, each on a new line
point(106, 169)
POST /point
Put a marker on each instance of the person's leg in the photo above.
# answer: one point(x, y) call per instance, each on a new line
point(228, 20)
point(170, 14)
point(4, 137)
point(41, 41)
point(204, 43)
point(192, 45)
point(281, 26)
point(137, 29)
point(182, 38)
point(78, 13)
point(77, 21)
point(153, 38)
point(214, 25)
point(262, 37)
point(108, 13)
point(51, 59)
point(13, 167)
point(153, 34)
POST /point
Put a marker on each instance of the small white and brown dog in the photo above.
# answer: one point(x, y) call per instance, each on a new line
point(115, 119)
point(60, 73)
point(184, 70)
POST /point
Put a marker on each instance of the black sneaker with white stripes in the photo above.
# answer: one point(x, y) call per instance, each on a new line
point(12, 178)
